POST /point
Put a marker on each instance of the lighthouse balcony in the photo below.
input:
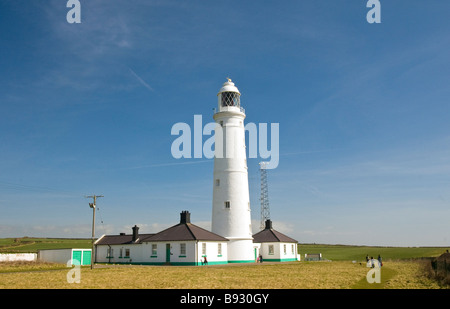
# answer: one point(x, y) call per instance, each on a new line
point(230, 109)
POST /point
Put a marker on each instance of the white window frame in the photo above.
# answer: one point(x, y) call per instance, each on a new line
point(204, 248)
point(183, 249)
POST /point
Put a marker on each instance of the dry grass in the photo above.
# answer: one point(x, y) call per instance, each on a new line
point(22, 266)
point(296, 275)
point(410, 275)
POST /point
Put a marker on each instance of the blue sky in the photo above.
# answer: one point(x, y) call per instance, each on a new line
point(363, 112)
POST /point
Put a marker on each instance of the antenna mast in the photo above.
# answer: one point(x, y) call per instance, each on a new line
point(265, 210)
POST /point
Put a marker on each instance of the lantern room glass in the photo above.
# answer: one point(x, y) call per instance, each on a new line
point(230, 99)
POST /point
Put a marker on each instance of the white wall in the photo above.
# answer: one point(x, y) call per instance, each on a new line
point(119, 254)
point(56, 256)
point(212, 252)
point(279, 254)
point(62, 256)
point(13, 257)
point(142, 253)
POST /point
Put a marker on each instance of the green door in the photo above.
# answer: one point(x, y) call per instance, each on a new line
point(167, 253)
point(86, 257)
point(76, 257)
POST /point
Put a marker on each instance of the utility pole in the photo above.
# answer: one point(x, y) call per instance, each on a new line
point(92, 205)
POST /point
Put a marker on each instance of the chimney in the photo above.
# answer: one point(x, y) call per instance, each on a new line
point(185, 217)
point(135, 233)
point(268, 225)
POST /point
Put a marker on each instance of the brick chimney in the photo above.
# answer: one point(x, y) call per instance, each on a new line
point(135, 233)
point(185, 217)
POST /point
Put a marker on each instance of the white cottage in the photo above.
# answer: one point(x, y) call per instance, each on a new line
point(181, 244)
point(274, 246)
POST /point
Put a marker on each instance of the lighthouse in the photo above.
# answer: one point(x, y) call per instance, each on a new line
point(231, 216)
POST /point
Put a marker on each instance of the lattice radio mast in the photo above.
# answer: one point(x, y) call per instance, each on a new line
point(265, 210)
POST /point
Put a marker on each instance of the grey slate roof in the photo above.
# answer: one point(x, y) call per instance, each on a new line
point(184, 231)
point(271, 235)
point(120, 239)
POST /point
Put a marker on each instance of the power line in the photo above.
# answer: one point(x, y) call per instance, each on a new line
point(25, 187)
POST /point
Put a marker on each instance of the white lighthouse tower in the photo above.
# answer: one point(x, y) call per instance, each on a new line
point(231, 202)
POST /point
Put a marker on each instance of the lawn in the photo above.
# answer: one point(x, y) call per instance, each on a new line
point(292, 275)
point(358, 253)
point(32, 244)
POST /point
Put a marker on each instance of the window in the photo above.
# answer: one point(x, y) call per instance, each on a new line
point(217, 182)
point(292, 249)
point(204, 248)
point(230, 99)
point(154, 251)
point(219, 249)
point(109, 253)
point(227, 204)
point(284, 248)
point(183, 249)
point(120, 252)
point(271, 249)
point(127, 252)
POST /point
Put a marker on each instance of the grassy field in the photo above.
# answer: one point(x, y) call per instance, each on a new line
point(404, 268)
point(358, 253)
point(32, 244)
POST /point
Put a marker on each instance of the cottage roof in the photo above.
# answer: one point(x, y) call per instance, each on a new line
point(182, 231)
point(121, 239)
point(271, 235)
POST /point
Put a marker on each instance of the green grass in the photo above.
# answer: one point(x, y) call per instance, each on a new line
point(32, 245)
point(358, 253)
